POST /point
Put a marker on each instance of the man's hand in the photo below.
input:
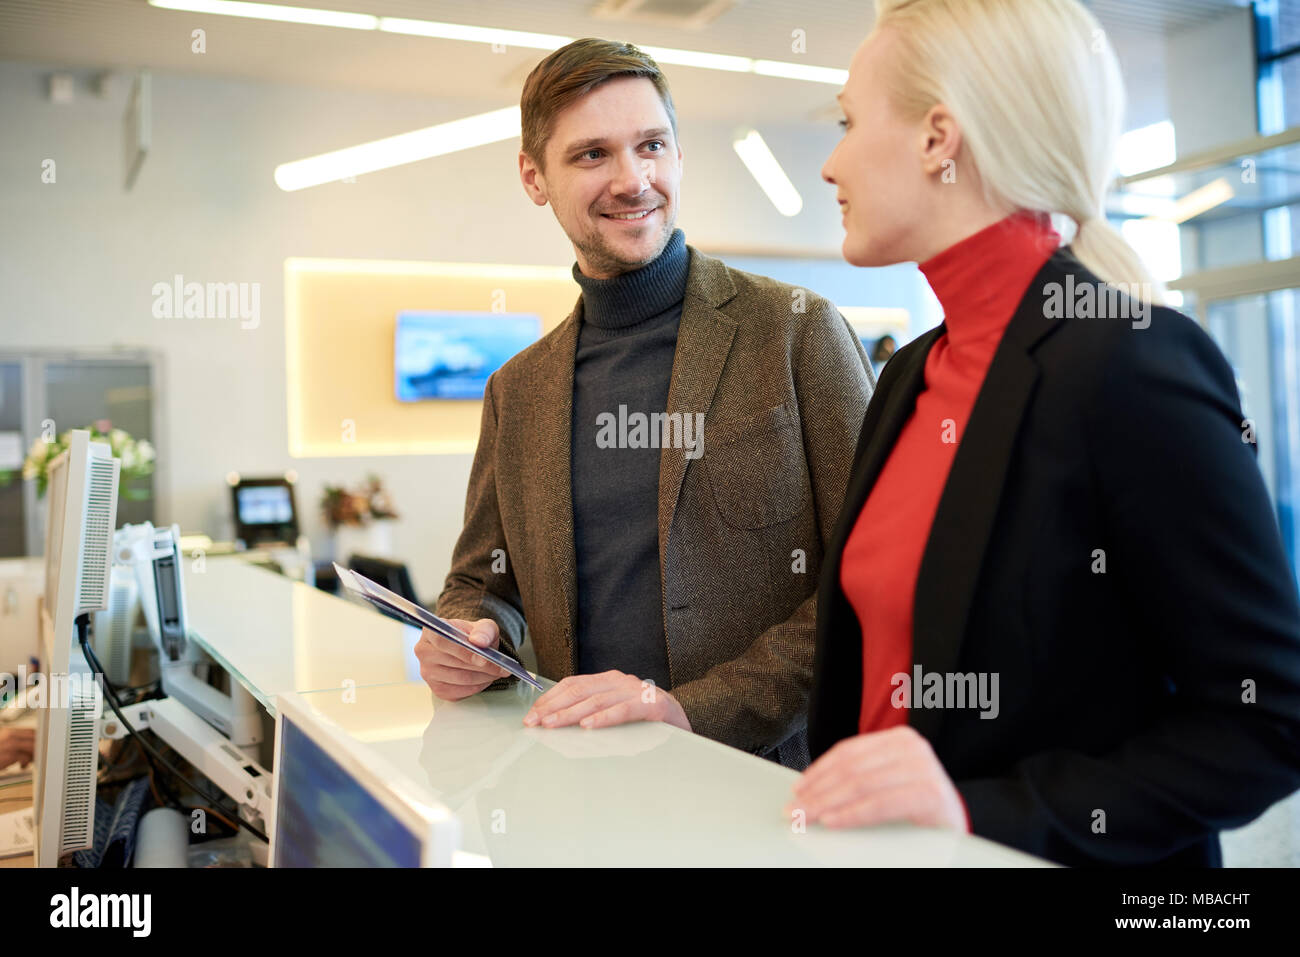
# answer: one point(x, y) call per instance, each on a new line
point(454, 672)
point(874, 778)
point(16, 746)
point(609, 698)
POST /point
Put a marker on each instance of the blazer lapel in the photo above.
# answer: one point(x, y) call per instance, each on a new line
point(963, 522)
point(836, 700)
point(704, 336)
point(887, 413)
point(553, 388)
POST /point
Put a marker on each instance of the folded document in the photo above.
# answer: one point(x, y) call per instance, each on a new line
point(395, 606)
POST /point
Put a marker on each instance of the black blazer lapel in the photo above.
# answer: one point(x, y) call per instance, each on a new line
point(837, 669)
point(963, 522)
point(890, 407)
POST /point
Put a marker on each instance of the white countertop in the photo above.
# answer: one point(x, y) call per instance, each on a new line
point(640, 794)
point(275, 635)
point(635, 795)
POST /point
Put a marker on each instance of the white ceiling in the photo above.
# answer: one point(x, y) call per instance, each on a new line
point(129, 34)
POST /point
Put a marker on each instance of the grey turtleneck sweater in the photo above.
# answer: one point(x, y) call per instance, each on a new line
point(625, 358)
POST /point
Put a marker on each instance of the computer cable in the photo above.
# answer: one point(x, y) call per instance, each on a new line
point(83, 627)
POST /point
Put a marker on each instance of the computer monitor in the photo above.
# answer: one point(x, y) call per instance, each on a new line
point(264, 511)
point(115, 625)
point(154, 558)
point(83, 483)
point(394, 576)
point(335, 804)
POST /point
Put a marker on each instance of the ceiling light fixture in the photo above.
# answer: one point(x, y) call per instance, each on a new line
point(498, 36)
point(760, 162)
point(273, 11)
point(398, 150)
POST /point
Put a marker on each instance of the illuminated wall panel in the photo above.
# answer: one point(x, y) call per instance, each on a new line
point(339, 323)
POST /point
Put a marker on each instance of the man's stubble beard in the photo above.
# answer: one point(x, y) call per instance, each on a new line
point(601, 257)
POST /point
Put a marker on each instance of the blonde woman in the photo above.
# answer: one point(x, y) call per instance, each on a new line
point(1056, 611)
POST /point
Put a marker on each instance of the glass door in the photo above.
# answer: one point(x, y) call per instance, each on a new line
point(81, 392)
point(43, 394)
point(1260, 334)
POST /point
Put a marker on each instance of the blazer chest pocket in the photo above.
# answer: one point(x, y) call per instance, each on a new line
point(756, 468)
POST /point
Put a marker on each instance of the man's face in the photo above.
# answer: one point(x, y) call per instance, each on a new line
point(612, 173)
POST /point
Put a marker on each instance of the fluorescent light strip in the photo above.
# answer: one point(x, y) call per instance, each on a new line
point(1203, 200)
point(1194, 203)
point(272, 11)
point(397, 267)
point(457, 31)
point(801, 71)
point(705, 61)
point(493, 35)
point(399, 150)
point(760, 162)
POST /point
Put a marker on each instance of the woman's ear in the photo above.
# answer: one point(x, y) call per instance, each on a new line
point(940, 141)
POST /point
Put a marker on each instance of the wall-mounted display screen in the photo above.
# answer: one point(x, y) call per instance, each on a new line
point(449, 355)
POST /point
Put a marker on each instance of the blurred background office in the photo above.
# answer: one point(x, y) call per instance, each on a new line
point(285, 354)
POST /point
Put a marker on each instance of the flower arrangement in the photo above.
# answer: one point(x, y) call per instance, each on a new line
point(136, 455)
point(356, 507)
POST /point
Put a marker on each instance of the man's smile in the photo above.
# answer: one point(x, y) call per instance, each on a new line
point(630, 217)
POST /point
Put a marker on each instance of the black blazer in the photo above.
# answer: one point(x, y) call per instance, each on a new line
point(1145, 703)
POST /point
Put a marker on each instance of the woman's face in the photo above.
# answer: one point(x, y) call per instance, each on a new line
point(879, 167)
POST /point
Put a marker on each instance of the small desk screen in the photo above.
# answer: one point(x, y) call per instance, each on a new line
point(325, 817)
point(265, 505)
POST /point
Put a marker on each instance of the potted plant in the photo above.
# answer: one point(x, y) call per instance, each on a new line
point(360, 519)
point(136, 456)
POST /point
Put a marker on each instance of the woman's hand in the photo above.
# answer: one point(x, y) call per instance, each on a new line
point(875, 778)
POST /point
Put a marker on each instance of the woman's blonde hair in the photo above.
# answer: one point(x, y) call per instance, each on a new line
point(1037, 91)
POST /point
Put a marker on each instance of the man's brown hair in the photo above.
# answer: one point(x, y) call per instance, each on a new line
point(572, 72)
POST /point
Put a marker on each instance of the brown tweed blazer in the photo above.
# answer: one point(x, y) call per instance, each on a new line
point(783, 383)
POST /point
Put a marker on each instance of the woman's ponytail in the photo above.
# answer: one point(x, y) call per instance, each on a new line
point(1108, 256)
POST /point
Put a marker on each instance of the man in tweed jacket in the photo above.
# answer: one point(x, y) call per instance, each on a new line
point(700, 568)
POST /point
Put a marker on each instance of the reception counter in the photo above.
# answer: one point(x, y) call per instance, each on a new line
point(636, 795)
point(639, 794)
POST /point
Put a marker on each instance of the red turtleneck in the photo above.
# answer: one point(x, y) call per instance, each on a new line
point(979, 282)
